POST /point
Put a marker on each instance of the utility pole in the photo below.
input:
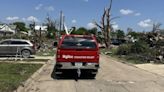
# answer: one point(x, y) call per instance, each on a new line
point(63, 19)
point(60, 25)
point(40, 30)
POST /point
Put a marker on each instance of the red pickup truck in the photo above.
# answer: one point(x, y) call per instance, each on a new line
point(77, 52)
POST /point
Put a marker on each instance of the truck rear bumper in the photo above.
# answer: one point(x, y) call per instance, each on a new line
point(73, 65)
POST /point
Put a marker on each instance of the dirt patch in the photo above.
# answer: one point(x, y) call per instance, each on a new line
point(154, 68)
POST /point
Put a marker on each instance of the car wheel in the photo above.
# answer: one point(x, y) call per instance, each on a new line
point(25, 53)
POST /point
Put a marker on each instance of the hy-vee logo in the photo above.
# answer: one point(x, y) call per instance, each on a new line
point(67, 56)
point(77, 57)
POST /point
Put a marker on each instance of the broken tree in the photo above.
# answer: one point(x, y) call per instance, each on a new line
point(105, 24)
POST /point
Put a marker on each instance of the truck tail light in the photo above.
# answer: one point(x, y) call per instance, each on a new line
point(97, 56)
point(58, 53)
point(58, 56)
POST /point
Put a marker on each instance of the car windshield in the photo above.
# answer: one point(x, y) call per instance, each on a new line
point(78, 42)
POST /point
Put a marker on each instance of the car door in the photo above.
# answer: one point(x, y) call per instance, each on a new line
point(4, 47)
point(15, 47)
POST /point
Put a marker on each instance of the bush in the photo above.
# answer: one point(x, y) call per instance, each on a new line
point(139, 47)
point(139, 52)
point(133, 48)
point(123, 49)
point(146, 49)
point(160, 43)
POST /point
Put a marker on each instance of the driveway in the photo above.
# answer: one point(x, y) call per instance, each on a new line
point(113, 76)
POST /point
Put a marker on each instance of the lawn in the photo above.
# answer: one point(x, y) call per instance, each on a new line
point(132, 58)
point(12, 75)
point(46, 52)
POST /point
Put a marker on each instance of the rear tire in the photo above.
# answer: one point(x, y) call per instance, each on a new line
point(25, 53)
point(93, 76)
point(95, 73)
point(57, 76)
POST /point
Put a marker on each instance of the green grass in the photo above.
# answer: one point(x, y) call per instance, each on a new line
point(129, 59)
point(48, 52)
point(12, 75)
point(133, 59)
point(27, 60)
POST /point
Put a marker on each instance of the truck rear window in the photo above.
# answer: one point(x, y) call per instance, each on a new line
point(72, 42)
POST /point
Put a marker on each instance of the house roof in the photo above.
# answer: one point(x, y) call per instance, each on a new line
point(43, 28)
point(6, 28)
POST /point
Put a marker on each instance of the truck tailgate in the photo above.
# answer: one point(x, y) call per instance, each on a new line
point(78, 55)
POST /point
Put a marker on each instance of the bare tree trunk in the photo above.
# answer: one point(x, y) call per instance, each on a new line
point(105, 25)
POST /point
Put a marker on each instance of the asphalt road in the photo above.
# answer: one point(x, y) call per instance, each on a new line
point(113, 76)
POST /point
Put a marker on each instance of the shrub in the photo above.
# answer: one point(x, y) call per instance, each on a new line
point(139, 47)
point(123, 49)
point(133, 48)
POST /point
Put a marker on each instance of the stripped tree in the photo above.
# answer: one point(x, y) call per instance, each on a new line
point(105, 24)
point(156, 27)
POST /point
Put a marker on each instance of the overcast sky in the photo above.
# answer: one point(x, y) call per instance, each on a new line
point(136, 14)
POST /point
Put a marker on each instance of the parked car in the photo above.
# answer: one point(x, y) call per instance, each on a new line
point(17, 47)
point(79, 53)
point(117, 41)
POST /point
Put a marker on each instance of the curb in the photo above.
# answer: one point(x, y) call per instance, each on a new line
point(16, 60)
point(121, 61)
point(31, 79)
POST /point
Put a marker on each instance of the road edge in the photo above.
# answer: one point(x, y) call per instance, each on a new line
point(32, 78)
point(133, 65)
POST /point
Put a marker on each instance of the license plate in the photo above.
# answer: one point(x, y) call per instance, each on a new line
point(89, 63)
point(78, 64)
